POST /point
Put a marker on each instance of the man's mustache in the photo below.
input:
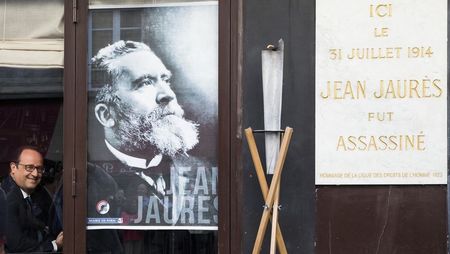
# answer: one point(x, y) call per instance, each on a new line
point(163, 111)
point(126, 111)
point(168, 111)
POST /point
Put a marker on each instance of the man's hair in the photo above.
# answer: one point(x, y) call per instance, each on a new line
point(19, 151)
point(106, 62)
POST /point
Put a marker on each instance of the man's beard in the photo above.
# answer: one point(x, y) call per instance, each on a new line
point(164, 128)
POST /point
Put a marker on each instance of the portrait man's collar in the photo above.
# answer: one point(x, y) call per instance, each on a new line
point(132, 161)
point(24, 194)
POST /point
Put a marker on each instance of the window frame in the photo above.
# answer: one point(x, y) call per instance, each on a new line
point(75, 125)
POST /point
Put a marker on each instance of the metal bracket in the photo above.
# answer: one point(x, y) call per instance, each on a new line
point(265, 206)
point(268, 131)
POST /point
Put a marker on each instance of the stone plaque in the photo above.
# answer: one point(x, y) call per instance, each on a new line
point(381, 92)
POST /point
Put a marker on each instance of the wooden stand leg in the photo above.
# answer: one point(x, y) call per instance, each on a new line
point(263, 182)
point(271, 193)
point(274, 220)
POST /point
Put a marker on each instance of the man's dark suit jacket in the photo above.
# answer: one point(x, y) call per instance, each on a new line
point(3, 218)
point(23, 228)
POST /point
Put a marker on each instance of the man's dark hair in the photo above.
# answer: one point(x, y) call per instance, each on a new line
point(19, 151)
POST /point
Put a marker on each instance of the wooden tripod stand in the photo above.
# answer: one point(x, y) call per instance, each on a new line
point(272, 195)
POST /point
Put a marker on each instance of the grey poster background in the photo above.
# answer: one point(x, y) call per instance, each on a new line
point(185, 38)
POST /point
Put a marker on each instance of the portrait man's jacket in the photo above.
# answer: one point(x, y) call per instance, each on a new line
point(25, 230)
point(103, 185)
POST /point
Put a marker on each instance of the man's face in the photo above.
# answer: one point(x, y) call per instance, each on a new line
point(144, 83)
point(147, 112)
point(26, 180)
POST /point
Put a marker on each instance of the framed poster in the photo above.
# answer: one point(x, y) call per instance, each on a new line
point(153, 117)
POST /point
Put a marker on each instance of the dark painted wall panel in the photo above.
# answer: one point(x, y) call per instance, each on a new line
point(382, 219)
point(329, 219)
point(264, 23)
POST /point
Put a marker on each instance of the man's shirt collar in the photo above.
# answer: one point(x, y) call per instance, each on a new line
point(134, 161)
point(25, 195)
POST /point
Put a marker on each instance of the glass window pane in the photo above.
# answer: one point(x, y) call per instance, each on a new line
point(102, 19)
point(100, 39)
point(152, 132)
point(35, 122)
point(130, 18)
point(130, 35)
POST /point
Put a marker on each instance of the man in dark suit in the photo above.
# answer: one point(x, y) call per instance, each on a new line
point(26, 229)
point(3, 220)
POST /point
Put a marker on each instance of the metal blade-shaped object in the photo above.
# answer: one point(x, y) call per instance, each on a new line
point(272, 77)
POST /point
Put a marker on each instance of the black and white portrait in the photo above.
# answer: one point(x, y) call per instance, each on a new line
point(138, 110)
point(152, 140)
